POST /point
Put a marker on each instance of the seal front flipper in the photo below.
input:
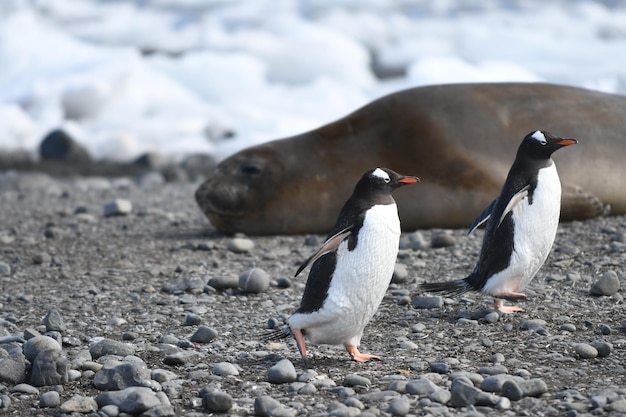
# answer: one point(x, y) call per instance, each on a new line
point(482, 217)
point(579, 204)
point(331, 244)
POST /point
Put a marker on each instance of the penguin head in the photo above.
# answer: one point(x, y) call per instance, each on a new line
point(541, 144)
point(383, 180)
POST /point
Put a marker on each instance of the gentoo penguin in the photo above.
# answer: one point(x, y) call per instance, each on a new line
point(521, 225)
point(353, 268)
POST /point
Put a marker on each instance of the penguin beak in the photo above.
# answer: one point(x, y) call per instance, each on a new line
point(408, 180)
point(567, 142)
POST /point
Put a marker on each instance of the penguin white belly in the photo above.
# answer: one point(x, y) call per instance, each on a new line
point(359, 282)
point(535, 227)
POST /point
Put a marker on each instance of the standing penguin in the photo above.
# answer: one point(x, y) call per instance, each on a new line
point(353, 268)
point(521, 228)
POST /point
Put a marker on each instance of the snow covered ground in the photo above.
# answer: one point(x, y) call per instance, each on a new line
point(183, 76)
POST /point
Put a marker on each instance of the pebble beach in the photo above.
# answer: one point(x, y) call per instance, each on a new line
point(117, 298)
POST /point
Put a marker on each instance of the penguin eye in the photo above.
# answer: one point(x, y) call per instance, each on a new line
point(386, 179)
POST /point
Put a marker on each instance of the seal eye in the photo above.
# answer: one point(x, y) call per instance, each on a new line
point(250, 170)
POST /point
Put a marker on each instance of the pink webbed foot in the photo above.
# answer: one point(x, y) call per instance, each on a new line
point(358, 356)
point(506, 309)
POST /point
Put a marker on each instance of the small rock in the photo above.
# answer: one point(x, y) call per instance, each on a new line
point(203, 334)
point(25, 389)
point(568, 327)
point(224, 282)
point(421, 386)
point(111, 347)
point(54, 321)
point(117, 207)
point(427, 302)
point(512, 391)
point(180, 358)
point(240, 245)
point(400, 274)
point(463, 393)
point(264, 405)
point(225, 369)
point(192, 320)
point(50, 368)
point(442, 240)
point(12, 366)
point(604, 348)
point(399, 406)
point(281, 373)
point(42, 258)
point(254, 281)
point(60, 145)
point(38, 344)
point(133, 400)
point(5, 269)
point(50, 399)
point(440, 367)
point(608, 284)
point(618, 406)
point(116, 375)
point(79, 404)
point(585, 351)
point(353, 380)
point(217, 402)
point(492, 317)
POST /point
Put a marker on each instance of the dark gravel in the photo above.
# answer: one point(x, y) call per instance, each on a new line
point(128, 297)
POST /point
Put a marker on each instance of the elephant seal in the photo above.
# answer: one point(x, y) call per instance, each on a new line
point(459, 139)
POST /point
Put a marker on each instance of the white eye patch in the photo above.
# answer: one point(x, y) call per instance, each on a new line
point(539, 137)
point(381, 174)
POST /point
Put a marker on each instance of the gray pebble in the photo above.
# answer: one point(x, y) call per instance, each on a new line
point(217, 402)
point(493, 370)
point(604, 348)
point(42, 258)
point(463, 393)
point(399, 406)
point(203, 334)
point(353, 380)
point(442, 240)
point(133, 400)
point(110, 410)
point(441, 396)
point(117, 207)
point(162, 375)
point(12, 366)
point(50, 368)
point(224, 282)
point(512, 391)
point(605, 329)
point(79, 404)
point(5, 402)
point(281, 373)
point(50, 399)
point(283, 282)
point(608, 284)
point(400, 274)
point(568, 327)
point(494, 383)
point(184, 284)
point(5, 269)
point(116, 375)
point(421, 386)
point(111, 347)
point(492, 317)
point(264, 405)
point(618, 406)
point(25, 389)
point(254, 281)
point(440, 367)
point(225, 369)
point(180, 358)
point(585, 351)
point(38, 344)
point(240, 245)
point(54, 322)
point(192, 319)
point(427, 302)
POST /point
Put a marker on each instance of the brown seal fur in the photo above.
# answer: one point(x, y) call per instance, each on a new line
point(460, 139)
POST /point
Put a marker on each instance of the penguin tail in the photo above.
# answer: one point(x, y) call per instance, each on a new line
point(276, 334)
point(456, 287)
